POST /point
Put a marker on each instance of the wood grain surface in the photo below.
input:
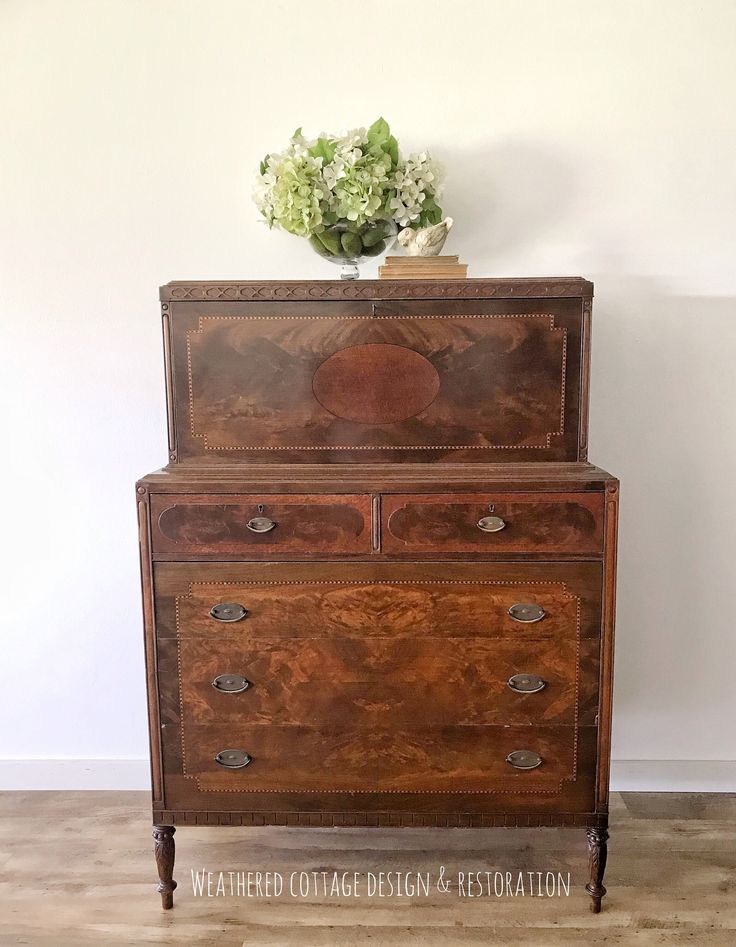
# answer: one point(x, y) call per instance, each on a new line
point(308, 381)
point(89, 881)
point(432, 524)
point(378, 681)
point(307, 525)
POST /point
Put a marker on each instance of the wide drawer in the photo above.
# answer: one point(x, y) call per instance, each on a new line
point(492, 525)
point(342, 759)
point(381, 608)
point(261, 527)
point(374, 682)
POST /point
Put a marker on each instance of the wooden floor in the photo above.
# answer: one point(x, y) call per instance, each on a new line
point(77, 870)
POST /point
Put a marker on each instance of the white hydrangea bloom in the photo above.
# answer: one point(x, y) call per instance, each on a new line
point(418, 177)
point(315, 183)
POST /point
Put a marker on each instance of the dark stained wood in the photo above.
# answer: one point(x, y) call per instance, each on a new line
point(149, 642)
point(448, 523)
point(607, 642)
point(165, 851)
point(325, 817)
point(381, 682)
point(501, 380)
point(186, 790)
point(388, 759)
point(378, 599)
point(376, 423)
point(201, 524)
point(376, 383)
point(311, 478)
point(597, 857)
point(549, 288)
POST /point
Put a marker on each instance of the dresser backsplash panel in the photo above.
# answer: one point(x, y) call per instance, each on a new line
point(368, 380)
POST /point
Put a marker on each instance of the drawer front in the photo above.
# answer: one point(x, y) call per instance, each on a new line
point(334, 608)
point(493, 525)
point(377, 678)
point(382, 682)
point(262, 527)
point(417, 759)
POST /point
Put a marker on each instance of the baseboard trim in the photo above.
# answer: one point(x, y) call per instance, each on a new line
point(673, 775)
point(626, 775)
point(74, 774)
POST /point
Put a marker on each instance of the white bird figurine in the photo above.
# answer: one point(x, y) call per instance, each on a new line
point(425, 242)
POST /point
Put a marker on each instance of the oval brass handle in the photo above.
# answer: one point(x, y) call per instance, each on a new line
point(231, 683)
point(526, 683)
point(228, 611)
point(260, 524)
point(491, 524)
point(524, 759)
point(527, 612)
point(233, 759)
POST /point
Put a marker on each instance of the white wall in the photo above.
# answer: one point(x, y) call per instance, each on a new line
point(581, 137)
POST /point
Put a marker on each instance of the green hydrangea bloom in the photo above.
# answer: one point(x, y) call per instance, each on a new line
point(355, 179)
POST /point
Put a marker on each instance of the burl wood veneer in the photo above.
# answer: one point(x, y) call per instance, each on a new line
point(378, 571)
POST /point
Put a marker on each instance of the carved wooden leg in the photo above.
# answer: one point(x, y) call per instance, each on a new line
point(598, 853)
point(164, 850)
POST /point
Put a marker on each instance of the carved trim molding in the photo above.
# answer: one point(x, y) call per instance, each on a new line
point(378, 289)
point(362, 819)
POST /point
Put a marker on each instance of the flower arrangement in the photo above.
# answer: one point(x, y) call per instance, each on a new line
point(349, 194)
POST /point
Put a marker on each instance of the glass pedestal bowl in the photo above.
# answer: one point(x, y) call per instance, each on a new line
point(348, 246)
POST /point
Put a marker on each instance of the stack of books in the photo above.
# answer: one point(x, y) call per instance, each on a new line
point(423, 267)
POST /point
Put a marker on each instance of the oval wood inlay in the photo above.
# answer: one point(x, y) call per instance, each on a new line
point(376, 383)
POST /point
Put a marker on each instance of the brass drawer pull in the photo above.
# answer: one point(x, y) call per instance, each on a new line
point(228, 611)
point(524, 759)
point(491, 524)
point(260, 523)
point(526, 683)
point(527, 612)
point(231, 683)
point(233, 759)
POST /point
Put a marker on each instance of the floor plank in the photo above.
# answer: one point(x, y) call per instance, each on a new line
point(77, 869)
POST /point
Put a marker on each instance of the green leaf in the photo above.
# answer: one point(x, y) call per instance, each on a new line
point(331, 241)
point(297, 133)
point(351, 243)
point(392, 148)
point(379, 132)
point(264, 164)
point(325, 149)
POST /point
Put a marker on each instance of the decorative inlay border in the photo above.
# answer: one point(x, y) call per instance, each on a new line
point(372, 447)
point(336, 582)
point(378, 289)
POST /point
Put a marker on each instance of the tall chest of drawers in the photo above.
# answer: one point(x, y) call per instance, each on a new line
point(378, 570)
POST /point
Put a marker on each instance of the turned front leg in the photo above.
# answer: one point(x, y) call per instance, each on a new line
point(597, 853)
point(165, 850)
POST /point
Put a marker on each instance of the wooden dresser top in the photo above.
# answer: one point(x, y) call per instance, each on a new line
point(534, 287)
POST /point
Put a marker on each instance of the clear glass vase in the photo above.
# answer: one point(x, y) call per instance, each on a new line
point(348, 246)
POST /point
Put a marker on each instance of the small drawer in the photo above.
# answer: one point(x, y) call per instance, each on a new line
point(264, 526)
point(426, 524)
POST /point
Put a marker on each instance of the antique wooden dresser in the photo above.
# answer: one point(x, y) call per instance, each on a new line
point(378, 571)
